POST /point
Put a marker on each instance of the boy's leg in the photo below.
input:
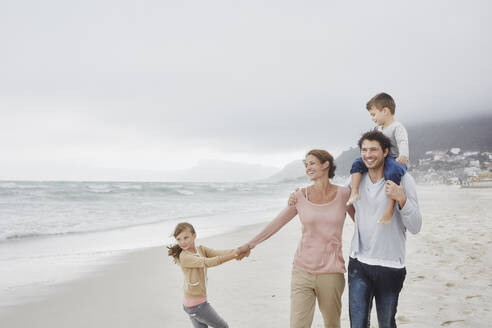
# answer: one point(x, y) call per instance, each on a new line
point(208, 317)
point(392, 171)
point(354, 192)
point(358, 167)
point(388, 212)
point(361, 293)
point(387, 290)
point(302, 298)
point(329, 290)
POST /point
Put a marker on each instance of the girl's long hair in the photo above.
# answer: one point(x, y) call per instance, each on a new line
point(175, 250)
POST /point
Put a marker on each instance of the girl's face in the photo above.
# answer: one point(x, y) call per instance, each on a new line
point(186, 240)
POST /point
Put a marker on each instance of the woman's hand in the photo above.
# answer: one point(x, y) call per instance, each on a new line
point(243, 252)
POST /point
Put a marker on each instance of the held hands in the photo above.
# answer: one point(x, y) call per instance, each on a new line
point(396, 193)
point(242, 252)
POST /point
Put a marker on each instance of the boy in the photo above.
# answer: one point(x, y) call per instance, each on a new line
point(382, 110)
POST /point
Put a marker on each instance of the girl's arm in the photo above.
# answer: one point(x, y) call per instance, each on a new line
point(210, 252)
point(188, 260)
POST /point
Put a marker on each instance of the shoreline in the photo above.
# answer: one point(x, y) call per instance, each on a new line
point(447, 284)
point(44, 263)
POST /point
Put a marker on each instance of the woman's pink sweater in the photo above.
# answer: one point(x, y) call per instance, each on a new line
point(320, 248)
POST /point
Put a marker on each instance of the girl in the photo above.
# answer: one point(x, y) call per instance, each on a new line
point(194, 261)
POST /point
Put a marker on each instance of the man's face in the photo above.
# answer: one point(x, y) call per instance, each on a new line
point(372, 154)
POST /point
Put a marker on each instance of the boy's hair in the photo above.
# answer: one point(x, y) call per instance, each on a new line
point(378, 136)
point(380, 101)
point(175, 250)
point(324, 156)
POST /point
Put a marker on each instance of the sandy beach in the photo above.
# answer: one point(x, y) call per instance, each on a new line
point(448, 281)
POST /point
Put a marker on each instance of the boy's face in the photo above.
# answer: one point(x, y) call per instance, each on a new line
point(378, 116)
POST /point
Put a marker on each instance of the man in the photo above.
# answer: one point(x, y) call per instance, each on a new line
point(377, 258)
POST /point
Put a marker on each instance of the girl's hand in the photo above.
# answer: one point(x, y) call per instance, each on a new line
point(243, 252)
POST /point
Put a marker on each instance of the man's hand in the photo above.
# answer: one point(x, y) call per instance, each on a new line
point(292, 198)
point(402, 160)
point(351, 212)
point(243, 252)
point(396, 193)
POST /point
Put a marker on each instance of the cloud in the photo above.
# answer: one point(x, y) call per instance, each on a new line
point(108, 81)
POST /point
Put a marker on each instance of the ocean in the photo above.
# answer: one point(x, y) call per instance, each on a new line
point(53, 232)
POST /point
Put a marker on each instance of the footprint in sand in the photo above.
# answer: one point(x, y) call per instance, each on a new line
point(450, 284)
point(402, 319)
point(447, 323)
point(418, 278)
point(472, 296)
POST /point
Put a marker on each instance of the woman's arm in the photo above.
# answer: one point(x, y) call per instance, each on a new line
point(275, 225)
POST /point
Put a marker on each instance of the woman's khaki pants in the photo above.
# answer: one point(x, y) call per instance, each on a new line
point(306, 288)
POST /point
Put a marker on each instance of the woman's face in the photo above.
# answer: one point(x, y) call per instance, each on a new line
point(314, 168)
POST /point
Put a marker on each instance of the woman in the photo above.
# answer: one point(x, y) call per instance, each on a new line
point(318, 271)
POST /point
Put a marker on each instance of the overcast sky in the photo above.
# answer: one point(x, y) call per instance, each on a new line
point(162, 84)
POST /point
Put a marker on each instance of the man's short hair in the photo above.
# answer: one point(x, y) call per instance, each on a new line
point(375, 135)
point(380, 101)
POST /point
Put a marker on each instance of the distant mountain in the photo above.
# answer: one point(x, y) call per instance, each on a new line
point(295, 170)
point(204, 171)
point(345, 160)
point(471, 134)
point(215, 170)
point(292, 171)
point(468, 134)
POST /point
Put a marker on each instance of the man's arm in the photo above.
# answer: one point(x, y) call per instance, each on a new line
point(406, 197)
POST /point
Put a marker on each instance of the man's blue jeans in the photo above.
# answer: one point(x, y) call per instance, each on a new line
point(367, 282)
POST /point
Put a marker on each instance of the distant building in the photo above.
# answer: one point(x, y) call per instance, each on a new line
point(471, 171)
point(475, 163)
point(471, 153)
point(455, 151)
